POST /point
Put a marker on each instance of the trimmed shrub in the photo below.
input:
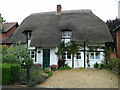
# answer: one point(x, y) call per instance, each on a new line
point(15, 72)
point(6, 74)
point(10, 73)
point(96, 65)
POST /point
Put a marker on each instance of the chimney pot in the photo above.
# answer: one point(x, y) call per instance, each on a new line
point(59, 8)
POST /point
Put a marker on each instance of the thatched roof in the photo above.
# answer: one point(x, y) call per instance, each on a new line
point(46, 28)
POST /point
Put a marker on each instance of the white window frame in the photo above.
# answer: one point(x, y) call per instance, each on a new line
point(66, 36)
point(32, 54)
point(78, 55)
point(94, 56)
point(68, 55)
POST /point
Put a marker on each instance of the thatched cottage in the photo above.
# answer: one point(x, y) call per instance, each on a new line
point(43, 32)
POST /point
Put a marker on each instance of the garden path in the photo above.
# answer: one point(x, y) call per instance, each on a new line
point(81, 78)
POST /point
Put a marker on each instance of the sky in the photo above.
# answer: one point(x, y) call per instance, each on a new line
point(18, 10)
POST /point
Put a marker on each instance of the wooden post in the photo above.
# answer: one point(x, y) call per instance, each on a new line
point(72, 60)
point(84, 56)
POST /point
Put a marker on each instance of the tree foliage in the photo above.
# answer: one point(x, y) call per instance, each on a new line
point(112, 24)
point(17, 54)
point(1, 19)
point(70, 47)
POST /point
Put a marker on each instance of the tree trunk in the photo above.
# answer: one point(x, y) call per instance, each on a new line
point(72, 60)
point(27, 73)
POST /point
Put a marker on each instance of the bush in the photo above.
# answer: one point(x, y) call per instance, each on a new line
point(36, 77)
point(34, 80)
point(46, 69)
point(15, 72)
point(61, 62)
point(96, 65)
point(49, 74)
point(114, 64)
point(10, 73)
point(65, 68)
point(6, 75)
point(81, 68)
point(102, 66)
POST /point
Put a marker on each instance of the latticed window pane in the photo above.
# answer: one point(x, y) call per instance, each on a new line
point(66, 34)
point(68, 56)
point(32, 54)
point(78, 55)
point(97, 55)
point(91, 55)
point(64, 55)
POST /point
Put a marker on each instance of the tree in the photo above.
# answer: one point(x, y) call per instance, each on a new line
point(72, 48)
point(112, 24)
point(17, 54)
point(1, 21)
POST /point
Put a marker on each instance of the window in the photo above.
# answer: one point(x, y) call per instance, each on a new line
point(91, 55)
point(78, 55)
point(68, 56)
point(29, 35)
point(66, 34)
point(32, 54)
point(64, 55)
point(97, 55)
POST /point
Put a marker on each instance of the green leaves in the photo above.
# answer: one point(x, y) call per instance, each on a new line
point(16, 54)
point(72, 48)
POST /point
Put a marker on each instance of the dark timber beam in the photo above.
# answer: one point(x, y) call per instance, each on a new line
point(84, 56)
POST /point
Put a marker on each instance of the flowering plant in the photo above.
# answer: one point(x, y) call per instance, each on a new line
point(53, 66)
point(38, 65)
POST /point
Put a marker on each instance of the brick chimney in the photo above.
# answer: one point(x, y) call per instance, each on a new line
point(59, 8)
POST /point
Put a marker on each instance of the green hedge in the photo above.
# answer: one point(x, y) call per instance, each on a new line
point(6, 74)
point(10, 73)
point(114, 64)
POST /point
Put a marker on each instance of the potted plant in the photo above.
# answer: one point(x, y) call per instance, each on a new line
point(53, 67)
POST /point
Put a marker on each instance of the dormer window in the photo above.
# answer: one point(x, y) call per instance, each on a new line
point(66, 35)
point(28, 35)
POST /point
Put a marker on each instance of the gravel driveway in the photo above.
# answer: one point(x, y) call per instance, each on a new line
point(81, 78)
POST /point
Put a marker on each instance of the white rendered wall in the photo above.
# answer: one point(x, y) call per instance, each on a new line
point(39, 56)
point(54, 59)
point(53, 56)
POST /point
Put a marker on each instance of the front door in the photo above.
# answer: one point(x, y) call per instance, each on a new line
point(46, 57)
